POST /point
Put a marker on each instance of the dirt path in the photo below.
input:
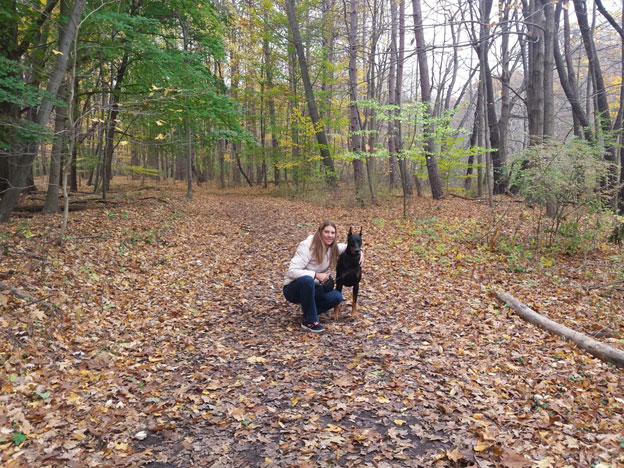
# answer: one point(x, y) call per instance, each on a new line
point(177, 349)
point(264, 391)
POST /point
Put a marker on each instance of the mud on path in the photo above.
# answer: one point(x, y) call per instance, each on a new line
point(176, 348)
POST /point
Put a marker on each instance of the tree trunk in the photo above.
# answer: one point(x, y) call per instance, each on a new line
point(67, 33)
point(425, 90)
point(321, 136)
point(603, 116)
point(406, 178)
point(370, 94)
point(355, 128)
point(567, 77)
point(535, 82)
point(394, 168)
point(549, 95)
point(51, 204)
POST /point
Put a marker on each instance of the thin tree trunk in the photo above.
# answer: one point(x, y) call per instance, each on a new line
point(425, 90)
point(60, 129)
point(602, 115)
point(549, 95)
point(355, 127)
point(392, 150)
point(321, 136)
point(567, 77)
point(406, 179)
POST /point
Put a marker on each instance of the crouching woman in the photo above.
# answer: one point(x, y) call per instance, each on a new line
point(308, 270)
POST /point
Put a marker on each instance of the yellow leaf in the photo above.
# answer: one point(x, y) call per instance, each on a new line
point(481, 447)
point(121, 446)
point(160, 136)
point(399, 422)
point(454, 455)
point(334, 428)
point(160, 123)
point(294, 401)
point(57, 52)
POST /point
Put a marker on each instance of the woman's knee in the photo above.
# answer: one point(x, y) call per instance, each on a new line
point(335, 296)
point(306, 283)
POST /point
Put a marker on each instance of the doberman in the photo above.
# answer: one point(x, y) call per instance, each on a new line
point(348, 269)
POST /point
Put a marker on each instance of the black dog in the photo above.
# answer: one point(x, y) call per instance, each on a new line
point(348, 269)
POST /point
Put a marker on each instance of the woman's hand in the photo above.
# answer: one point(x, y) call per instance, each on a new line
point(322, 277)
point(361, 257)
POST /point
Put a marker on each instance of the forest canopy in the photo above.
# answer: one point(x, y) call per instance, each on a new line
point(440, 98)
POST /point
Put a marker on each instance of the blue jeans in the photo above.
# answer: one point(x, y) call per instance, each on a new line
point(313, 298)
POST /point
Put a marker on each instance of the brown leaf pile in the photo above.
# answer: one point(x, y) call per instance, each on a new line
point(171, 344)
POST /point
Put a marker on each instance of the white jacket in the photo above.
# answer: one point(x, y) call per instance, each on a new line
point(303, 264)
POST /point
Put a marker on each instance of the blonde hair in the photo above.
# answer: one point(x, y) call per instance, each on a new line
point(318, 248)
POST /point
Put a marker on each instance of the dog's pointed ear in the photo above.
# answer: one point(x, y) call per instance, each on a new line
point(360, 230)
point(350, 230)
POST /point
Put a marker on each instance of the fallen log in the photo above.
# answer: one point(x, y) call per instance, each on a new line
point(593, 347)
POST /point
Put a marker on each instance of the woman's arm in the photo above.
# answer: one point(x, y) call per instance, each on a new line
point(299, 262)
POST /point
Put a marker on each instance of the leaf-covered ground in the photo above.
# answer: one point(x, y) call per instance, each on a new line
point(173, 346)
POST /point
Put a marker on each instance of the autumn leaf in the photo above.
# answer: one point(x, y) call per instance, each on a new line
point(511, 459)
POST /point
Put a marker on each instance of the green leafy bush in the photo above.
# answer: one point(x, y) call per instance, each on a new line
point(565, 179)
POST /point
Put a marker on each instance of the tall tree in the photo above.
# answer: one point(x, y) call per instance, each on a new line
point(425, 90)
point(355, 126)
point(321, 136)
point(68, 27)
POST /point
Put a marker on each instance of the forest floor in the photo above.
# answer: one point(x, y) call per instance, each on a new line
point(172, 345)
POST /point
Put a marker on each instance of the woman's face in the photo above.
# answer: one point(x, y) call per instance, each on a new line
point(328, 234)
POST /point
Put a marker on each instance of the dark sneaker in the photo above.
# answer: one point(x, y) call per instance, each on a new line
point(313, 327)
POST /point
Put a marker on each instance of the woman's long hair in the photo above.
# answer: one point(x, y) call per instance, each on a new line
point(318, 248)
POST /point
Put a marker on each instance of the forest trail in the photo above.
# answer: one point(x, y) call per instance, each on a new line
point(177, 348)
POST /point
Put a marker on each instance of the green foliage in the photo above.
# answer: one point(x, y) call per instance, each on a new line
point(566, 172)
point(14, 91)
point(564, 179)
point(417, 123)
point(18, 438)
point(141, 171)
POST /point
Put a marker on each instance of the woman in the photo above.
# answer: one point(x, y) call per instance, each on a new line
point(308, 270)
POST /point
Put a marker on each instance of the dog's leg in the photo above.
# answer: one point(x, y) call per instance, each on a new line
point(354, 311)
point(337, 308)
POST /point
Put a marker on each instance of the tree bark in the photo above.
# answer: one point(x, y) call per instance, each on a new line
point(425, 90)
point(604, 118)
point(568, 79)
point(535, 82)
point(67, 34)
point(51, 204)
point(406, 179)
point(592, 346)
point(549, 95)
point(354, 113)
point(321, 136)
